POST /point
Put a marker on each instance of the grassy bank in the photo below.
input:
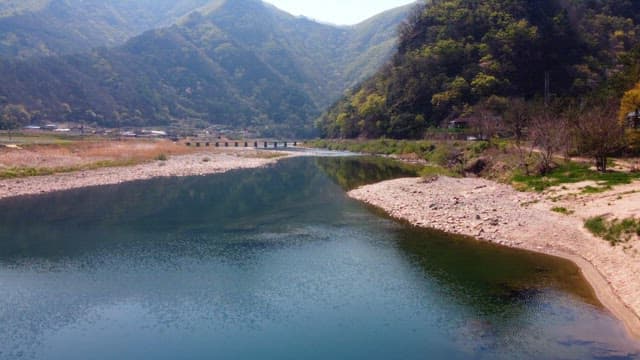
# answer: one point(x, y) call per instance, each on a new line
point(39, 157)
point(498, 160)
point(20, 172)
point(437, 157)
point(570, 173)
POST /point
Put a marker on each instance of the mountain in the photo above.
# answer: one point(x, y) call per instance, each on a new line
point(56, 27)
point(238, 62)
point(454, 55)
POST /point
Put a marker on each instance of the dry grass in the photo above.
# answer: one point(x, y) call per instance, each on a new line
point(132, 150)
point(253, 154)
point(47, 159)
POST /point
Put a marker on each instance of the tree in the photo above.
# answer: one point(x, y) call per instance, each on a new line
point(549, 133)
point(599, 132)
point(484, 123)
point(13, 116)
point(517, 118)
point(630, 103)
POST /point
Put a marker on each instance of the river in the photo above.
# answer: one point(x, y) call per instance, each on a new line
point(276, 263)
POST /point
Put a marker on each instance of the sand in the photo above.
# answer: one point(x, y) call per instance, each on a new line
point(497, 213)
point(200, 163)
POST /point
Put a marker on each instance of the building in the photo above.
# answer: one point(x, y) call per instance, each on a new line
point(633, 119)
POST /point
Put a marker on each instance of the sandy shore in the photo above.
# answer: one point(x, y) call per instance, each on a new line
point(497, 213)
point(201, 163)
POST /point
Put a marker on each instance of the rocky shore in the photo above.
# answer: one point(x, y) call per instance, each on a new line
point(201, 163)
point(497, 213)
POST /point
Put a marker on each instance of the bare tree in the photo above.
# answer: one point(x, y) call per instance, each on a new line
point(549, 133)
point(517, 118)
point(484, 123)
point(599, 133)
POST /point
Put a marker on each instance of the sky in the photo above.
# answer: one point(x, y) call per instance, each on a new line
point(339, 12)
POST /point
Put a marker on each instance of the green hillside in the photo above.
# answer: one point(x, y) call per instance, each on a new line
point(455, 54)
point(238, 62)
point(55, 27)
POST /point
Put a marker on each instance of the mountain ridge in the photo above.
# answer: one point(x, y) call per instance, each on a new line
point(242, 63)
point(464, 58)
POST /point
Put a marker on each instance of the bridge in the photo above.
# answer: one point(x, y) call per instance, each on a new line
point(246, 144)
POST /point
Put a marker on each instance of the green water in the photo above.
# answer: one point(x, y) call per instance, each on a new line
point(276, 263)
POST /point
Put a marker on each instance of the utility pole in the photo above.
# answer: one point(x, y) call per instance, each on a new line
point(547, 87)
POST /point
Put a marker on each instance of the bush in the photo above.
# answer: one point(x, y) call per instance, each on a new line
point(615, 231)
point(562, 210)
point(162, 157)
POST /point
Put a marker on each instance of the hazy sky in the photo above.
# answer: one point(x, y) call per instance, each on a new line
point(342, 12)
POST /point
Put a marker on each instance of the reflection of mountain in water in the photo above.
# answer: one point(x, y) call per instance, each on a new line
point(351, 173)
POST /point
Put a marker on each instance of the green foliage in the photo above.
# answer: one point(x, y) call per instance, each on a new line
point(573, 173)
point(562, 210)
point(615, 231)
point(162, 157)
point(238, 62)
point(440, 157)
point(21, 172)
point(430, 171)
point(351, 173)
point(377, 147)
point(13, 117)
point(630, 103)
point(34, 28)
point(455, 54)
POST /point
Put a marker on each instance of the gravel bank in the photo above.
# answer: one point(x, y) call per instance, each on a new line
point(203, 163)
point(497, 213)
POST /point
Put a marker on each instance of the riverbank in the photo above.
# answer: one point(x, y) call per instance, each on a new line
point(497, 213)
point(196, 163)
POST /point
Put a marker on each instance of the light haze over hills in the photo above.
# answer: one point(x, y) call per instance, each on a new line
point(238, 62)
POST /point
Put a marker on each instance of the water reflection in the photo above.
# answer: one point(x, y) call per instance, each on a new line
point(274, 263)
point(352, 172)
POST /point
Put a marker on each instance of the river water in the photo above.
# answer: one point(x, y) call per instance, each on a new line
point(276, 263)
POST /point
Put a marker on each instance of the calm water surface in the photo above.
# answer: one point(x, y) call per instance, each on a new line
point(276, 263)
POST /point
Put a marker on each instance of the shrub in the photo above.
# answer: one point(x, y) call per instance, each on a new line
point(562, 210)
point(615, 231)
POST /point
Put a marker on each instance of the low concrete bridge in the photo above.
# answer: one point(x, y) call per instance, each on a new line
point(273, 144)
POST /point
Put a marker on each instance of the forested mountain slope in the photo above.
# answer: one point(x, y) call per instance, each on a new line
point(454, 54)
point(239, 62)
point(55, 27)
